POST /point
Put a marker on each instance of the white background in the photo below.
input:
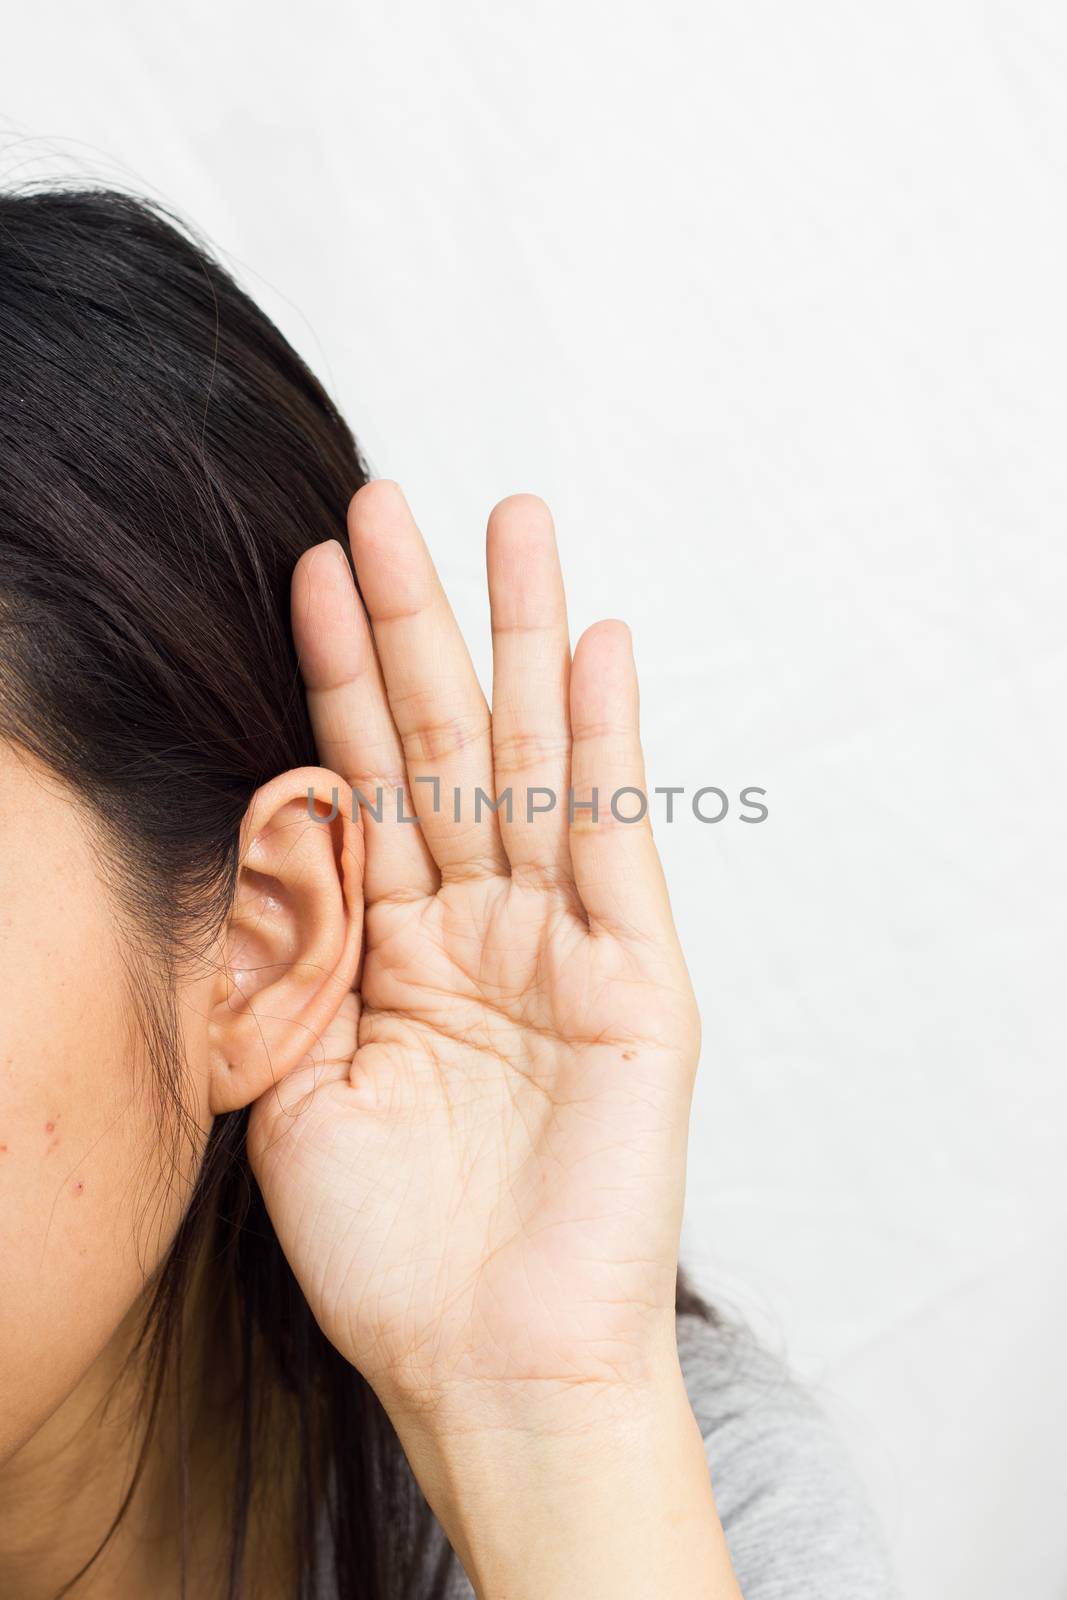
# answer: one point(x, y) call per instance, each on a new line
point(768, 302)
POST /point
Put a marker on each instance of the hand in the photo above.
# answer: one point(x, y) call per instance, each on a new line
point(479, 1176)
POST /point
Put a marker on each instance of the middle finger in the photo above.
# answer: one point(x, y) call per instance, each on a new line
point(434, 695)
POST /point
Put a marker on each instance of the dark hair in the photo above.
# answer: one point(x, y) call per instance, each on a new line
point(165, 457)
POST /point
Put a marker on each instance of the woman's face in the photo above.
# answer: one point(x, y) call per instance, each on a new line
point(91, 1186)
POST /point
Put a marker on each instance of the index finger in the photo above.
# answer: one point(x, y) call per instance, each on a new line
point(354, 730)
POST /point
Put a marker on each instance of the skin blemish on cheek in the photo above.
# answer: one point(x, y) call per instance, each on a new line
point(78, 1187)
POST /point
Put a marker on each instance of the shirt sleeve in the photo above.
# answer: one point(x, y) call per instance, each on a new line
point(797, 1522)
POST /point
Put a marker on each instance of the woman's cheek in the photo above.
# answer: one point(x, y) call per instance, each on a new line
point(88, 1197)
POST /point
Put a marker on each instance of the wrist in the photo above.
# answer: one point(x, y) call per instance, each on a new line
point(574, 1491)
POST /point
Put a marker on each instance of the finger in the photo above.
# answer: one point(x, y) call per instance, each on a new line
point(616, 864)
point(531, 677)
point(437, 704)
point(354, 730)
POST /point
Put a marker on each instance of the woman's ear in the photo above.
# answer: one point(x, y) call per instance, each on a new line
point(291, 947)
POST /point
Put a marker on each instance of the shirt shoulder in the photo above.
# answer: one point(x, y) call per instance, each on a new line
point(797, 1521)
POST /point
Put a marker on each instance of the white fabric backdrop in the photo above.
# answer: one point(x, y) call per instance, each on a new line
point(768, 302)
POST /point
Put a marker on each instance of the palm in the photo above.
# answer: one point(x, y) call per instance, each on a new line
point(485, 1182)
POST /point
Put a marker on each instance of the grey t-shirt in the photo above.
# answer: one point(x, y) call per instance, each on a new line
point(796, 1520)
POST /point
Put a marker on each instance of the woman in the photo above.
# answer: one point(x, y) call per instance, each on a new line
point(341, 1156)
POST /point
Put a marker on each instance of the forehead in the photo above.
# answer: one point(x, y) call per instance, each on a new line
point(35, 805)
point(51, 889)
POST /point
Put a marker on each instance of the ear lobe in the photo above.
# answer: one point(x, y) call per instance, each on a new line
point(293, 939)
